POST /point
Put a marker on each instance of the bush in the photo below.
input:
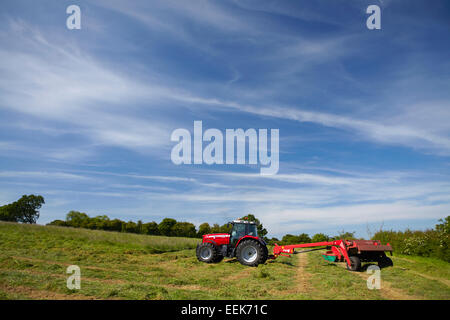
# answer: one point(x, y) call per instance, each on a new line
point(320, 237)
point(291, 239)
point(428, 243)
point(59, 223)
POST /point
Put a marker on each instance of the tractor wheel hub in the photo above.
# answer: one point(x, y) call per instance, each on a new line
point(249, 254)
point(205, 253)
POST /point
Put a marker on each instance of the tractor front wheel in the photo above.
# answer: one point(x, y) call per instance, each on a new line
point(207, 252)
point(251, 253)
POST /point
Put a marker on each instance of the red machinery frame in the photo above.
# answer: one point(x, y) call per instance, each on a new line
point(341, 250)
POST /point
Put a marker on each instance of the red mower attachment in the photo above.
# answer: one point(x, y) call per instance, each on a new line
point(353, 252)
point(244, 243)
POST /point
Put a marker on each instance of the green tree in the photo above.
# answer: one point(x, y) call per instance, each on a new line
point(184, 229)
point(139, 227)
point(261, 230)
point(216, 228)
point(150, 228)
point(130, 227)
point(98, 222)
point(166, 225)
point(443, 234)
point(77, 219)
point(272, 241)
point(115, 225)
point(204, 228)
point(7, 213)
point(59, 223)
point(290, 239)
point(304, 238)
point(25, 210)
point(320, 237)
point(344, 235)
point(444, 226)
point(226, 228)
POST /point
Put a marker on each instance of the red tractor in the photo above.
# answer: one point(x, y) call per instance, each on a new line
point(244, 244)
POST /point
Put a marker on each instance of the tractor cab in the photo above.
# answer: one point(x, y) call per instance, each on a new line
point(242, 228)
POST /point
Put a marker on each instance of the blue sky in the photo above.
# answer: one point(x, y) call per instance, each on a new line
point(86, 115)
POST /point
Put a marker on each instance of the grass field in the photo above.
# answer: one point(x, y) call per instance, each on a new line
point(33, 262)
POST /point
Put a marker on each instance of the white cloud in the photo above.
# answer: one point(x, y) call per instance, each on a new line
point(42, 175)
point(283, 220)
point(377, 131)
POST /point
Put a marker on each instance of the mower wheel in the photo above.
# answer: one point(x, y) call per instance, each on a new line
point(251, 253)
point(385, 262)
point(356, 263)
point(207, 252)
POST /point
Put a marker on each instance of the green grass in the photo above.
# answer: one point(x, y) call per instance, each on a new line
point(334, 281)
point(424, 278)
point(33, 262)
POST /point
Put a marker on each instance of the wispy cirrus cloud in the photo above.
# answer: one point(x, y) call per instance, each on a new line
point(54, 82)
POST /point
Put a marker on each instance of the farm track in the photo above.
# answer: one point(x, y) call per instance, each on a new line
point(302, 275)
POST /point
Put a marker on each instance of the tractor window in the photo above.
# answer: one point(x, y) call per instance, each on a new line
point(252, 230)
point(237, 232)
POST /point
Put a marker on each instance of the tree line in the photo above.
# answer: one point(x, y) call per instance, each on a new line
point(167, 227)
point(305, 238)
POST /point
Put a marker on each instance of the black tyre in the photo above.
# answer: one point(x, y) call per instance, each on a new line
point(251, 253)
point(385, 262)
point(265, 255)
point(356, 264)
point(207, 252)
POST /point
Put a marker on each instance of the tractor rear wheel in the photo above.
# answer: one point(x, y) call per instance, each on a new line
point(356, 263)
point(207, 252)
point(251, 253)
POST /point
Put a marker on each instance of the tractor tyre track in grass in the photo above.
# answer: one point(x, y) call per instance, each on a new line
point(303, 285)
point(443, 281)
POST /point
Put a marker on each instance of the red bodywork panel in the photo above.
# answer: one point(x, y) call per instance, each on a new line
point(217, 238)
point(223, 238)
